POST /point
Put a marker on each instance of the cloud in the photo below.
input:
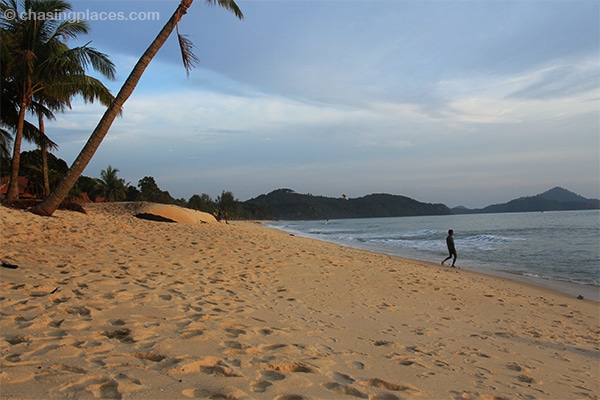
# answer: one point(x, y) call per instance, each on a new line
point(560, 81)
point(459, 102)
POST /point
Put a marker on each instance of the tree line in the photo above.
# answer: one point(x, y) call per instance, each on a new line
point(109, 188)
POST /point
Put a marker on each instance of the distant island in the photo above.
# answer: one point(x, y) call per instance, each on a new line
point(556, 199)
point(286, 204)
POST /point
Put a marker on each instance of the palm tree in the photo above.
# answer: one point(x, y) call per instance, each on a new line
point(111, 187)
point(9, 114)
point(36, 59)
point(58, 98)
point(44, 143)
point(52, 202)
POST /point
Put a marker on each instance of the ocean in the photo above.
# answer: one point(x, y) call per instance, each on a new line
point(557, 249)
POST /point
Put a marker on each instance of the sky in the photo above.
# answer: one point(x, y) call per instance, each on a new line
point(458, 102)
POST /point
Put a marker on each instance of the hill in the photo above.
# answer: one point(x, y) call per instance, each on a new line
point(289, 205)
point(556, 199)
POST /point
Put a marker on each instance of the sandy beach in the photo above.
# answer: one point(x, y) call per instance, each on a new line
point(107, 305)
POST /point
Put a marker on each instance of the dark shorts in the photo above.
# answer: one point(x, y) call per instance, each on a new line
point(452, 252)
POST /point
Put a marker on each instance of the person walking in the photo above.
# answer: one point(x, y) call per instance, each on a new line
point(451, 248)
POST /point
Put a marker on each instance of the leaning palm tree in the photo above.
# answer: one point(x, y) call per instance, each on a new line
point(52, 202)
point(35, 58)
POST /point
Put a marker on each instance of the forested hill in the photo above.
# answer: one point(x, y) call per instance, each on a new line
point(289, 205)
point(556, 199)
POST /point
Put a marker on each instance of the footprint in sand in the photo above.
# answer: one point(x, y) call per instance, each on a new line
point(234, 333)
point(13, 358)
point(380, 383)
point(229, 393)
point(272, 375)
point(79, 310)
point(260, 386)
point(122, 334)
point(357, 365)
point(234, 346)
point(343, 378)
point(191, 333)
point(294, 367)
point(209, 365)
point(344, 389)
point(14, 340)
point(100, 387)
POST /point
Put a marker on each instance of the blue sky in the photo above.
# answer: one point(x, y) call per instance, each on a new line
point(459, 102)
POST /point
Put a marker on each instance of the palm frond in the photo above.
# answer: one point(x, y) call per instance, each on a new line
point(44, 141)
point(48, 27)
point(31, 132)
point(187, 52)
point(70, 29)
point(229, 5)
point(91, 89)
point(5, 142)
point(45, 107)
point(89, 56)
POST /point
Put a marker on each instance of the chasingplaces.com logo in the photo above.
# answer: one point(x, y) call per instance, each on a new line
point(87, 15)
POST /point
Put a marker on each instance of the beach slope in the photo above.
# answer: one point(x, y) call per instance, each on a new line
point(107, 305)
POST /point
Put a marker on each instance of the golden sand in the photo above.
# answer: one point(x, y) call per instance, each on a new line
point(106, 305)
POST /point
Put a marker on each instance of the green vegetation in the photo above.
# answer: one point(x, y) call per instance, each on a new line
point(32, 168)
point(289, 205)
point(110, 186)
point(40, 74)
point(63, 189)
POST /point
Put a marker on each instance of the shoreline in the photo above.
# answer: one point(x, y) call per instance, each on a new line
point(588, 292)
point(107, 305)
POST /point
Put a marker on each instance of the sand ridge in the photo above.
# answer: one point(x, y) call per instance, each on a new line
point(106, 305)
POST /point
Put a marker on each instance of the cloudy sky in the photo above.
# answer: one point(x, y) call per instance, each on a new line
point(459, 102)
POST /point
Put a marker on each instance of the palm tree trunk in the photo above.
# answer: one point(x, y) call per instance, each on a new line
point(52, 202)
point(12, 195)
point(44, 150)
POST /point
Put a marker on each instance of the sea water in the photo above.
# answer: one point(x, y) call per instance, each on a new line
point(558, 249)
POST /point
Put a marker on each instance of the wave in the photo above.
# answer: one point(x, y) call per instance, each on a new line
point(553, 246)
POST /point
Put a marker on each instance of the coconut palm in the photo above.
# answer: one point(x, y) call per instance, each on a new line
point(110, 186)
point(52, 202)
point(45, 144)
point(36, 59)
point(9, 115)
point(58, 98)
